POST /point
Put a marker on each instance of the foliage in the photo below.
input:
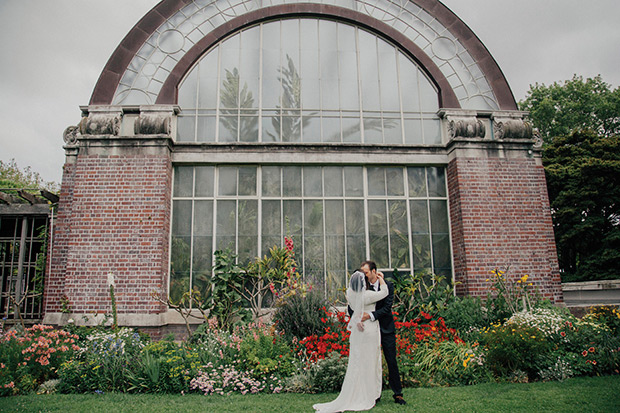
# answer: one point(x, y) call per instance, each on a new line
point(442, 363)
point(466, 313)
point(31, 357)
point(273, 279)
point(215, 345)
point(11, 176)
point(509, 295)
point(300, 316)
point(103, 364)
point(226, 379)
point(266, 353)
point(512, 348)
point(607, 315)
point(335, 338)
point(562, 108)
point(583, 180)
point(226, 302)
point(326, 375)
point(414, 293)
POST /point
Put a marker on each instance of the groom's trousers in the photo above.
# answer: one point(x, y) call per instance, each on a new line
point(388, 343)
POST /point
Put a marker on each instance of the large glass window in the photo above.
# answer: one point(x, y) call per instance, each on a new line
point(307, 80)
point(337, 216)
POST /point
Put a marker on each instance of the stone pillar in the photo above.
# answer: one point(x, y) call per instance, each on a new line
point(499, 207)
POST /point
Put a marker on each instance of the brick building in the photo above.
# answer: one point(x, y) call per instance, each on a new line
point(362, 129)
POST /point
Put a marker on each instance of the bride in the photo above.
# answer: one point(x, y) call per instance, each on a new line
point(362, 382)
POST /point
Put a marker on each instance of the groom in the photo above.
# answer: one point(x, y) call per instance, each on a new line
point(383, 314)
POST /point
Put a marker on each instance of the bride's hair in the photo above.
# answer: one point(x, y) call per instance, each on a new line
point(358, 281)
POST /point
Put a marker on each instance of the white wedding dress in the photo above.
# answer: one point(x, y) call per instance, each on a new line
point(362, 382)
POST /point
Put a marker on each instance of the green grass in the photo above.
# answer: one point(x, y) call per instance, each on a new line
point(583, 394)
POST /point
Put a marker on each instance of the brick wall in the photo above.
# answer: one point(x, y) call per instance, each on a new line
point(500, 216)
point(55, 280)
point(118, 222)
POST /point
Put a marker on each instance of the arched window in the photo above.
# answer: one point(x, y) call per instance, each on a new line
point(307, 80)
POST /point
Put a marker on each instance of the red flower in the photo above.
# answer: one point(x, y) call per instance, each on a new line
point(591, 349)
point(584, 353)
point(563, 334)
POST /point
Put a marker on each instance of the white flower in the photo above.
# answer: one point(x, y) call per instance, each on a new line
point(110, 279)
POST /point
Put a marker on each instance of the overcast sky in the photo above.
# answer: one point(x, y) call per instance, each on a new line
point(52, 52)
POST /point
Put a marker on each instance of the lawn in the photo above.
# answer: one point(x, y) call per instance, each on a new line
point(582, 394)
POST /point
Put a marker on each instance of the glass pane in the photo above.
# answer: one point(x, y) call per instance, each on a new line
point(378, 233)
point(419, 217)
point(376, 181)
point(388, 77)
point(226, 225)
point(334, 248)
point(249, 67)
point(206, 129)
point(356, 238)
point(439, 217)
point(203, 218)
point(429, 98)
point(182, 218)
point(271, 225)
point(247, 180)
point(292, 220)
point(413, 131)
point(354, 181)
point(331, 129)
point(436, 181)
point(395, 183)
point(291, 127)
point(421, 253)
point(271, 180)
point(369, 71)
point(188, 90)
point(201, 267)
point(228, 180)
point(441, 255)
point(208, 72)
point(229, 127)
point(409, 84)
point(399, 240)
point(248, 231)
point(311, 128)
point(312, 181)
point(204, 181)
point(186, 128)
point(271, 127)
point(183, 181)
point(291, 181)
point(271, 65)
point(392, 132)
point(333, 180)
point(248, 129)
point(351, 130)
point(313, 243)
point(416, 178)
point(373, 130)
point(432, 131)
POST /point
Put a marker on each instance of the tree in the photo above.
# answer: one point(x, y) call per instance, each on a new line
point(583, 180)
point(562, 108)
point(13, 177)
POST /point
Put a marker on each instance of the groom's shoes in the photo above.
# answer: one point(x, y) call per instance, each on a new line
point(399, 400)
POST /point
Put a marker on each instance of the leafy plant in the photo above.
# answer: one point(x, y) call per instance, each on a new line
point(420, 292)
point(300, 316)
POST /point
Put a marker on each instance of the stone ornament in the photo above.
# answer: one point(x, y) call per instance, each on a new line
point(100, 124)
point(512, 129)
point(466, 128)
point(70, 135)
point(153, 124)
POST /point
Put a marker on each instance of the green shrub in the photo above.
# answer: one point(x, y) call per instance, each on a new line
point(445, 363)
point(300, 316)
point(465, 313)
point(266, 353)
point(326, 375)
point(512, 347)
point(605, 314)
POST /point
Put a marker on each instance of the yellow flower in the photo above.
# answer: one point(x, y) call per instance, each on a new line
point(524, 278)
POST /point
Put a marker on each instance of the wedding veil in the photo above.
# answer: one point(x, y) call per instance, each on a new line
point(355, 296)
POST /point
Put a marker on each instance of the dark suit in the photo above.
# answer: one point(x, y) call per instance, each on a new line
point(383, 314)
